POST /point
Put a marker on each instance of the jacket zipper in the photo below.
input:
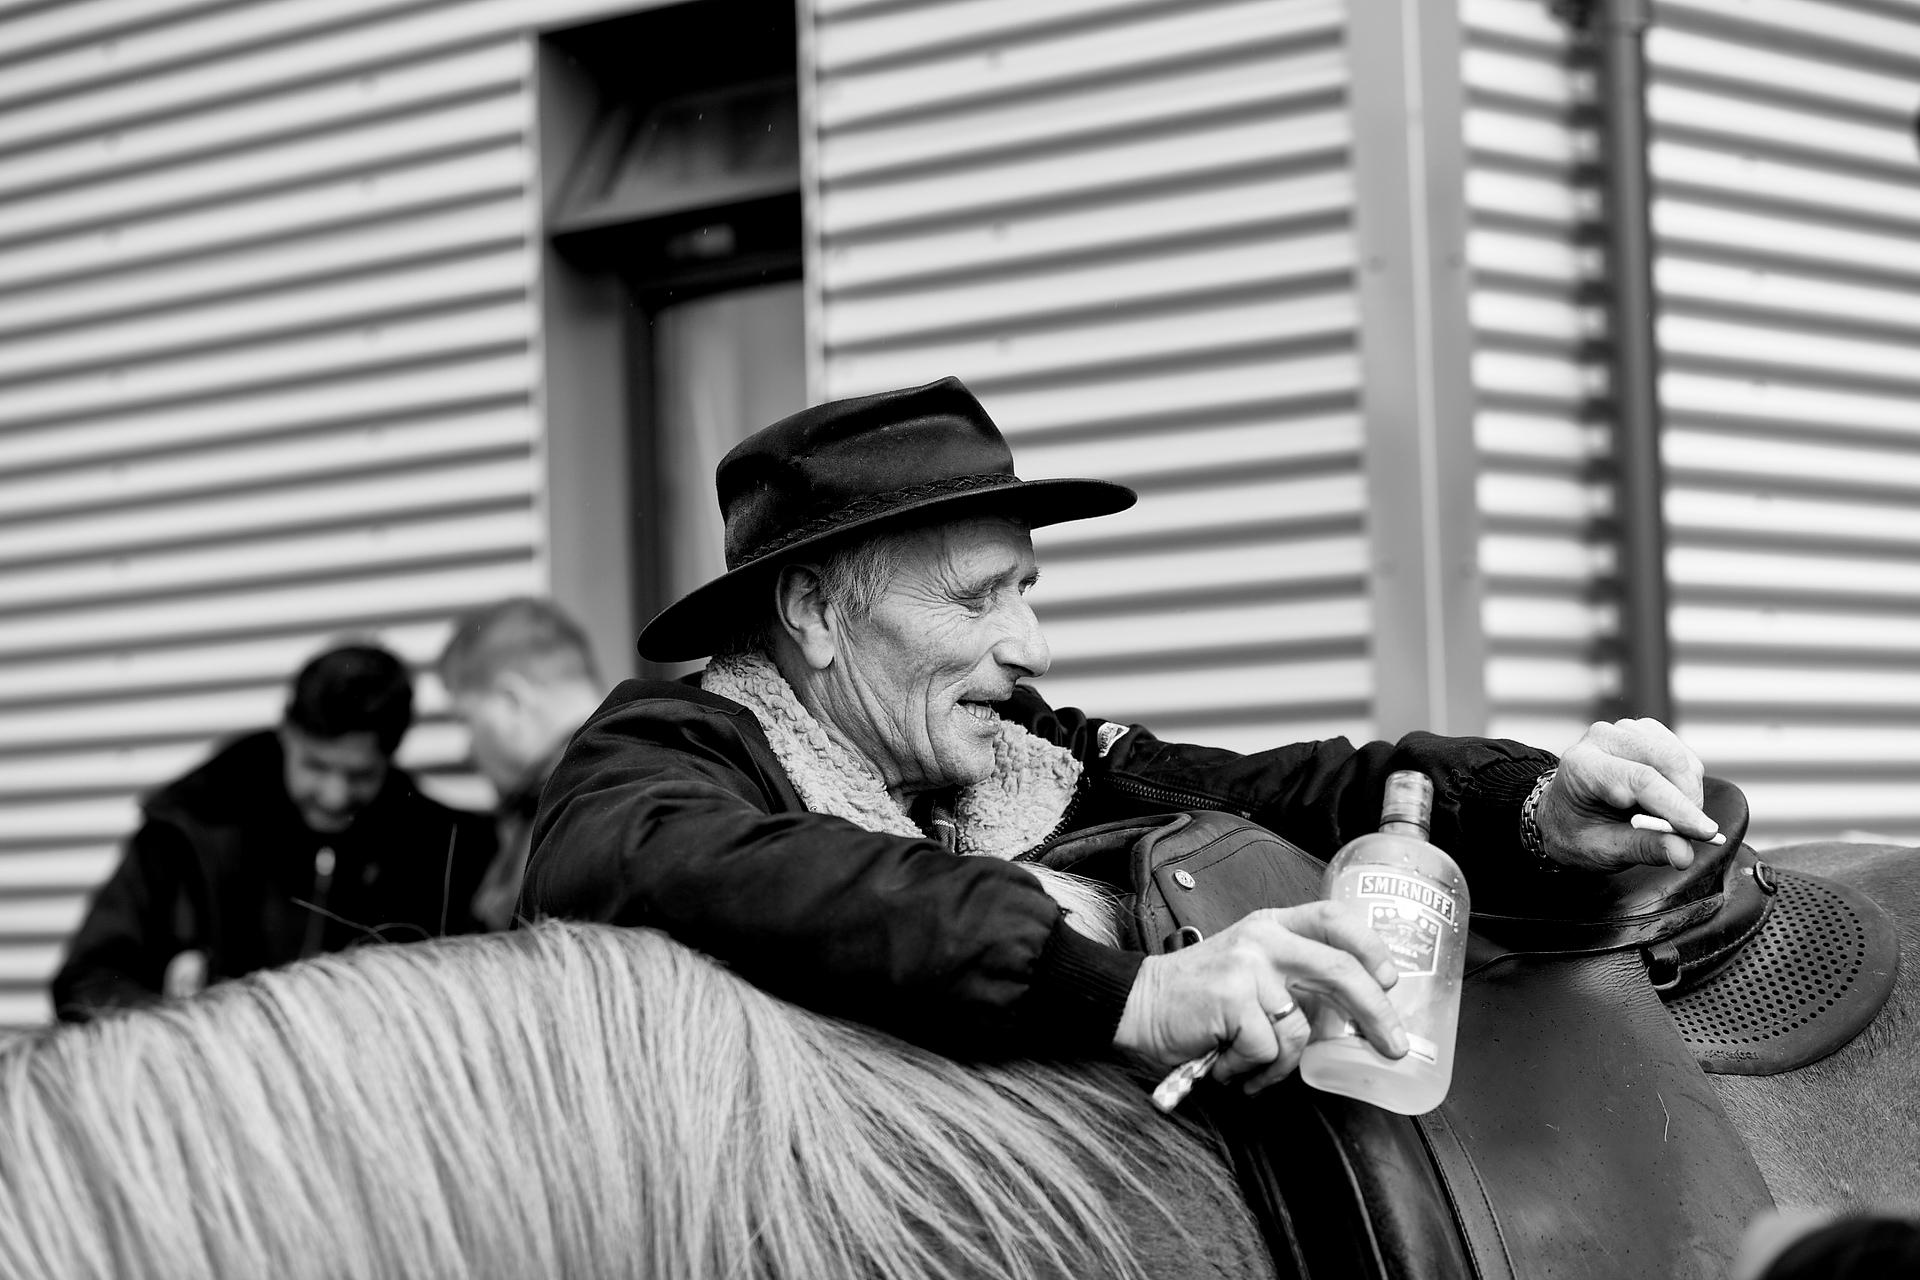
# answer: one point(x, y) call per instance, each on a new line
point(323, 862)
point(1170, 796)
point(1060, 828)
point(1174, 796)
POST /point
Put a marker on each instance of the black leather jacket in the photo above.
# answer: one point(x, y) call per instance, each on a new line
point(669, 809)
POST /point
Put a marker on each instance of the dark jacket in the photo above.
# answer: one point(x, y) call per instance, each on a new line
point(670, 809)
point(222, 864)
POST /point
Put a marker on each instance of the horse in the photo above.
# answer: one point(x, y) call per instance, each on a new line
point(1842, 1133)
point(592, 1101)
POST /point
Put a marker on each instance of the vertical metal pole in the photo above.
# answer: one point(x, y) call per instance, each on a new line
point(1416, 360)
point(1646, 655)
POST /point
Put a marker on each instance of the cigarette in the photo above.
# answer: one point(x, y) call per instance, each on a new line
point(1647, 822)
point(1169, 1093)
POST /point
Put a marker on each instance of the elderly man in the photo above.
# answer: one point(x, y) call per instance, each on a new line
point(830, 808)
point(521, 676)
point(288, 842)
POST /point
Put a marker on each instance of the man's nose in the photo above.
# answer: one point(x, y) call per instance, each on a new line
point(1024, 647)
point(332, 792)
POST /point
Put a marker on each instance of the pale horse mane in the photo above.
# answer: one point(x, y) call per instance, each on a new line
point(1091, 908)
point(574, 1100)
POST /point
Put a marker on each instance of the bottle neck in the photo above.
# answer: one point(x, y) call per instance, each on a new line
point(1406, 809)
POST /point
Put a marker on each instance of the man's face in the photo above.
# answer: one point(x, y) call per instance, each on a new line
point(330, 780)
point(910, 683)
point(496, 729)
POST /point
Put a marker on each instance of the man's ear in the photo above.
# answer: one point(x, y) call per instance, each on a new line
point(806, 616)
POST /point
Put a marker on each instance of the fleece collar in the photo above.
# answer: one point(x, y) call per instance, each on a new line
point(1002, 816)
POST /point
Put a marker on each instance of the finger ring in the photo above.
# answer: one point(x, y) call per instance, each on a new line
point(1284, 1012)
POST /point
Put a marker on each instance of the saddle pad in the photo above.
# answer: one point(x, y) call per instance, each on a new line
point(1812, 979)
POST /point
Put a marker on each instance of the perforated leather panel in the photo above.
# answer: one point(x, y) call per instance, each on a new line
point(1812, 979)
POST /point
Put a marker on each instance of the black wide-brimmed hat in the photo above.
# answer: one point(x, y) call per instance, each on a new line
point(914, 456)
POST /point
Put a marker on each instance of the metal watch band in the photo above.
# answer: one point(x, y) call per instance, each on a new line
point(1530, 837)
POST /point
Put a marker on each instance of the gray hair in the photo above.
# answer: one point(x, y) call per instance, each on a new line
point(523, 633)
point(852, 577)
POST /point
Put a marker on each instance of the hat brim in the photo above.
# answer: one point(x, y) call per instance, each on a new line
point(698, 623)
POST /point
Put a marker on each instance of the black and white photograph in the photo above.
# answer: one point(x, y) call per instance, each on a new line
point(960, 639)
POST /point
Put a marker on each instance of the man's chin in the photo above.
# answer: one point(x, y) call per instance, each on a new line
point(325, 824)
point(972, 772)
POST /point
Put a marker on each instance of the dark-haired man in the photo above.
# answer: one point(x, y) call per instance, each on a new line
point(285, 843)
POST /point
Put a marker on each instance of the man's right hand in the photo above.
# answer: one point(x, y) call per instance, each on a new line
point(1221, 993)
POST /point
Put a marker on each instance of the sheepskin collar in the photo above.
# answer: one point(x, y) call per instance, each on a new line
point(1002, 816)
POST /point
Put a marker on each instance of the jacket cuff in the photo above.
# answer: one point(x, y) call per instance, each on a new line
point(1077, 992)
point(1504, 784)
point(1490, 809)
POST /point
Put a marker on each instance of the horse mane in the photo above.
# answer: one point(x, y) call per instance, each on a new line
point(567, 1099)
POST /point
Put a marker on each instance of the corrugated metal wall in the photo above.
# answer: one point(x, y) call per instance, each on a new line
point(1787, 214)
point(1128, 226)
point(267, 365)
point(1539, 373)
point(265, 376)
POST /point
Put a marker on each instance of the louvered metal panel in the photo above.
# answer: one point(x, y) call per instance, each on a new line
point(1545, 498)
point(1787, 215)
point(266, 377)
point(1128, 227)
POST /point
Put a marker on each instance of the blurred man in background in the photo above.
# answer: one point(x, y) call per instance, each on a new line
point(521, 676)
point(288, 842)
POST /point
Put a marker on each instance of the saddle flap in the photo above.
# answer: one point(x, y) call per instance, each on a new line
point(1600, 1146)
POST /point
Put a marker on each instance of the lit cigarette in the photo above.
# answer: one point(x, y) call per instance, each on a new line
point(1647, 822)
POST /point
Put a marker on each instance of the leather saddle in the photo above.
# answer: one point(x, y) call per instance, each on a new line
point(1580, 1138)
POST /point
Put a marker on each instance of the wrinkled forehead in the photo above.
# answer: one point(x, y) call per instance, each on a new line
point(978, 547)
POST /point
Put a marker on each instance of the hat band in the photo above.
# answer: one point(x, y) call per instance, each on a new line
point(875, 504)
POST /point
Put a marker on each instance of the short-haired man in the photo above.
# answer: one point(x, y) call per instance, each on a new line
point(287, 842)
point(521, 677)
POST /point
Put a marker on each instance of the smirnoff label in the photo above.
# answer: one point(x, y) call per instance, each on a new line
point(1410, 914)
point(1388, 884)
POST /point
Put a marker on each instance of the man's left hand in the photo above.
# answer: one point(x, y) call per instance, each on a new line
point(1613, 772)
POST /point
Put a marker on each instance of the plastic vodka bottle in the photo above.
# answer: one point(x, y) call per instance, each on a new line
point(1416, 900)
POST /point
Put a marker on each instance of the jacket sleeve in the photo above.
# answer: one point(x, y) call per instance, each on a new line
point(1319, 794)
point(658, 815)
point(131, 931)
